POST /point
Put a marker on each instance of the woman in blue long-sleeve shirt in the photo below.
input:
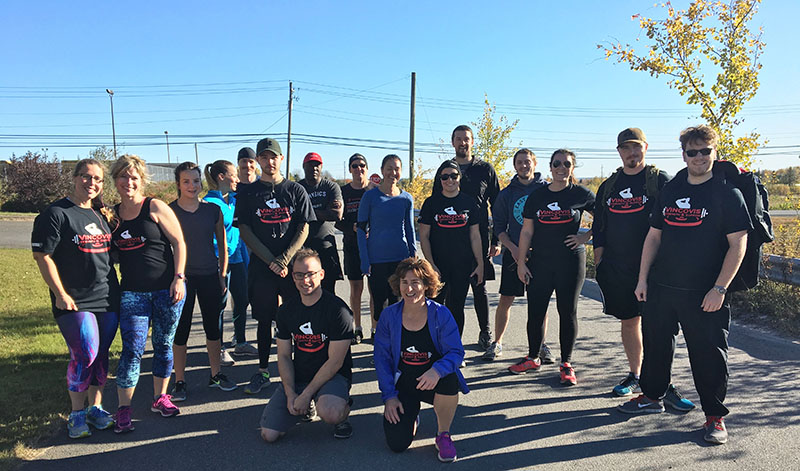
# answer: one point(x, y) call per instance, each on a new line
point(385, 232)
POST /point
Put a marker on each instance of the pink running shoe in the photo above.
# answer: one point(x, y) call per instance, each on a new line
point(163, 405)
point(447, 450)
point(123, 420)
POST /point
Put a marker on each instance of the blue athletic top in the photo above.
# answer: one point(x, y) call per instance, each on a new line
point(389, 222)
point(231, 233)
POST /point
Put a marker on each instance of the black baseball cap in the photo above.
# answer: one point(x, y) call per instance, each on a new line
point(246, 153)
point(270, 145)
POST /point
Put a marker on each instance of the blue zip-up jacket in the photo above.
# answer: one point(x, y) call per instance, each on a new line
point(507, 209)
point(390, 223)
point(445, 336)
point(231, 233)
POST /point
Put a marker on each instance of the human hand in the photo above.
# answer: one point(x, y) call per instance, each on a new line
point(712, 301)
point(641, 290)
point(392, 410)
point(428, 380)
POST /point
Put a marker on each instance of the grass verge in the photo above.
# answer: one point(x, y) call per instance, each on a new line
point(33, 361)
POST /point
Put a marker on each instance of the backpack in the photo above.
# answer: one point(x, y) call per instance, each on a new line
point(650, 190)
point(756, 199)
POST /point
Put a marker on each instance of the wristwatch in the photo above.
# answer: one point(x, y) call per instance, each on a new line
point(721, 289)
point(180, 276)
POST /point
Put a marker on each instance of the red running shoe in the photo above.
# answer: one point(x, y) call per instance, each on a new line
point(568, 377)
point(525, 365)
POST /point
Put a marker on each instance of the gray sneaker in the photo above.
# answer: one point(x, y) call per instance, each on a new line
point(225, 358)
point(641, 405)
point(221, 381)
point(178, 391)
point(716, 432)
point(257, 382)
point(546, 355)
point(494, 351)
point(245, 349)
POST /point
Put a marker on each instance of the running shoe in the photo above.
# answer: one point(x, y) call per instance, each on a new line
point(494, 351)
point(257, 382)
point(311, 414)
point(245, 349)
point(342, 430)
point(675, 400)
point(225, 358)
point(358, 336)
point(546, 355)
point(76, 425)
point(124, 423)
point(716, 432)
point(163, 405)
point(446, 447)
point(179, 391)
point(221, 381)
point(525, 365)
point(568, 377)
point(484, 339)
point(641, 404)
point(99, 418)
point(627, 386)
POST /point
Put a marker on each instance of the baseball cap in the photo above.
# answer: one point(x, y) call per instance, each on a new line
point(631, 135)
point(246, 153)
point(270, 145)
point(356, 157)
point(312, 157)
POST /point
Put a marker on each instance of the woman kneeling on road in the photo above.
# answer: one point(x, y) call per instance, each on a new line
point(418, 351)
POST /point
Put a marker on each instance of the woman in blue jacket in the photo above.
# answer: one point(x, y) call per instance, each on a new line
point(418, 352)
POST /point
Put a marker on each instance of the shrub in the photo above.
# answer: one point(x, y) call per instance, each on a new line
point(32, 182)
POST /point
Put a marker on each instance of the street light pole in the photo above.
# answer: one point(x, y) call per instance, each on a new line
point(166, 135)
point(113, 130)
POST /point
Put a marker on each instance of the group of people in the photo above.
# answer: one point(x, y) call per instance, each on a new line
point(665, 252)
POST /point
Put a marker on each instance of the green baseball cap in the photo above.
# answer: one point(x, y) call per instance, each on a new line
point(631, 135)
point(268, 144)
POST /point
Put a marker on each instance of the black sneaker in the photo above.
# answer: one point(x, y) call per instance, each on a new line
point(221, 381)
point(343, 430)
point(358, 336)
point(546, 355)
point(257, 381)
point(484, 340)
point(179, 391)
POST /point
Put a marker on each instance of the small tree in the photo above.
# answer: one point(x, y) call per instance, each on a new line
point(689, 43)
point(32, 182)
point(421, 186)
point(492, 141)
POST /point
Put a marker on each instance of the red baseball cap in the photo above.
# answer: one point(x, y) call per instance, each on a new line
point(312, 157)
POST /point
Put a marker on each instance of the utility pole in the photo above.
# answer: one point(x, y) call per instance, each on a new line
point(289, 131)
point(411, 131)
point(196, 155)
point(166, 136)
point(113, 131)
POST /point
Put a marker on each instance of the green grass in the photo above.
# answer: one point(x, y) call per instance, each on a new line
point(33, 360)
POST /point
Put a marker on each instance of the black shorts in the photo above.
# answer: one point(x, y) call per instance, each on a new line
point(509, 280)
point(617, 284)
point(352, 263)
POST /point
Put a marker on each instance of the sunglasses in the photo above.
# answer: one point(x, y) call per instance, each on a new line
point(358, 166)
point(448, 176)
point(694, 152)
point(558, 163)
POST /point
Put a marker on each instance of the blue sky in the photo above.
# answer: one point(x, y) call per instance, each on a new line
point(208, 74)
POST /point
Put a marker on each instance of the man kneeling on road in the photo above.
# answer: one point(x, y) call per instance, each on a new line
point(321, 326)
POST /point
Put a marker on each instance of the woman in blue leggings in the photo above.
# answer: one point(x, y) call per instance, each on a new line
point(152, 255)
point(70, 242)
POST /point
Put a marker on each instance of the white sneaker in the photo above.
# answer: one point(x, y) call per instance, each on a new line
point(225, 358)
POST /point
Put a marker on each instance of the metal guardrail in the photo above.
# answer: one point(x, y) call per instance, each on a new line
point(780, 269)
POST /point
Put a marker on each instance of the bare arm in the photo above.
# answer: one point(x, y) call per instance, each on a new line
point(525, 236)
point(511, 246)
point(651, 244)
point(163, 215)
point(475, 244)
point(333, 213)
point(337, 350)
point(598, 255)
point(49, 271)
point(425, 243)
point(222, 245)
point(737, 246)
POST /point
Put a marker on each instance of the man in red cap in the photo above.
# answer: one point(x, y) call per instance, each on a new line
point(326, 199)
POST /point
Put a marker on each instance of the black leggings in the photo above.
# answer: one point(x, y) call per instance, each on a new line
point(454, 295)
point(208, 291)
point(400, 435)
point(378, 281)
point(481, 301)
point(264, 288)
point(565, 276)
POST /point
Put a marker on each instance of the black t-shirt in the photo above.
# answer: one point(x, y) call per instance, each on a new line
point(352, 200)
point(418, 352)
point(273, 213)
point(627, 219)
point(695, 221)
point(145, 255)
point(450, 220)
point(479, 180)
point(198, 232)
point(312, 328)
point(78, 240)
point(555, 216)
point(320, 233)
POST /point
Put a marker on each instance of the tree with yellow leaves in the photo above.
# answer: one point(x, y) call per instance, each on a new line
point(706, 37)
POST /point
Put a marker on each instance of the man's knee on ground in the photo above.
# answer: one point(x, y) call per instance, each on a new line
point(332, 409)
point(270, 435)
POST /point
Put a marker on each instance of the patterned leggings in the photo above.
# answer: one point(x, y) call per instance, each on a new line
point(88, 336)
point(137, 311)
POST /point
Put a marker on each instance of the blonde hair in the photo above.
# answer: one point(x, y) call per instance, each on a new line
point(130, 162)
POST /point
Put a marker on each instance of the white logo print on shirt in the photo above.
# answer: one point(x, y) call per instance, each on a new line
point(306, 328)
point(554, 206)
point(626, 193)
point(126, 234)
point(450, 211)
point(273, 204)
point(683, 203)
point(93, 229)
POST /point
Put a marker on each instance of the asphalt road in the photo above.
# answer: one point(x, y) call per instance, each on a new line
point(506, 422)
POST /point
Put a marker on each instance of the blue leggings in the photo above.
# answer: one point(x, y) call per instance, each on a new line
point(88, 336)
point(137, 311)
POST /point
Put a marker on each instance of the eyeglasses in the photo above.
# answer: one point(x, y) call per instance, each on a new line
point(448, 176)
point(358, 165)
point(299, 276)
point(694, 152)
point(89, 178)
point(558, 163)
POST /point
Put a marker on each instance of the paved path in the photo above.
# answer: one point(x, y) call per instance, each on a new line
point(507, 422)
